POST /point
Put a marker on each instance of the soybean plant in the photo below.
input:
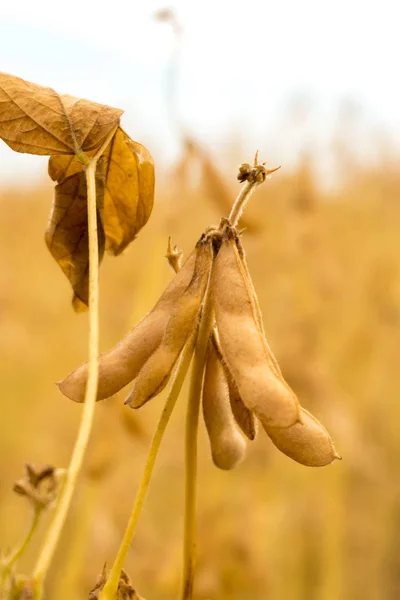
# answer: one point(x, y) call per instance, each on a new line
point(210, 310)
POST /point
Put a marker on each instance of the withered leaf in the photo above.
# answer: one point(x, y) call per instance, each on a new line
point(37, 120)
point(67, 233)
point(127, 172)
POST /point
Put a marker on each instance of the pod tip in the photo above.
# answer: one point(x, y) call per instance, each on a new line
point(299, 419)
point(128, 400)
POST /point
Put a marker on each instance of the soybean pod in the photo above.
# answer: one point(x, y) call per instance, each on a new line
point(156, 372)
point(256, 306)
point(227, 444)
point(121, 364)
point(242, 415)
point(244, 347)
point(307, 442)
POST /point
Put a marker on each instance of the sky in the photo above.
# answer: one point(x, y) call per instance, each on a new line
point(279, 76)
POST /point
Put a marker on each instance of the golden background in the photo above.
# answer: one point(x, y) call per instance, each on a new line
point(326, 267)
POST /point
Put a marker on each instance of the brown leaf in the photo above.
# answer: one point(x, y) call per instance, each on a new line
point(127, 171)
point(67, 233)
point(37, 120)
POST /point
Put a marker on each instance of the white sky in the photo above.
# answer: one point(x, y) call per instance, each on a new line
point(242, 63)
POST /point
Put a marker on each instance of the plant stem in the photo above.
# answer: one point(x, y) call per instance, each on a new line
point(241, 201)
point(110, 589)
point(192, 421)
point(18, 552)
point(256, 176)
point(67, 490)
point(75, 554)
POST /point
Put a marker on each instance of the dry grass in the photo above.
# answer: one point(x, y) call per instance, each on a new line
point(327, 271)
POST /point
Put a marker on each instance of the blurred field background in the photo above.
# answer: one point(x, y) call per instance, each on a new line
point(323, 247)
point(327, 271)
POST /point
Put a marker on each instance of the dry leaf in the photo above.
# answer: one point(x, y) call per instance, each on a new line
point(306, 442)
point(127, 171)
point(67, 233)
point(37, 120)
point(125, 192)
point(128, 190)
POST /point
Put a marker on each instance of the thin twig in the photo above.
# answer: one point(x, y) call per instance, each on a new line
point(10, 561)
point(254, 177)
point(192, 421)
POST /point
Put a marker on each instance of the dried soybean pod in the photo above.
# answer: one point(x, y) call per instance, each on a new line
point(243, 345)
point(121, 364)
point(257, 309)
point(156, 372)
point(307, 442)
point(228, 446)
point(243, 416)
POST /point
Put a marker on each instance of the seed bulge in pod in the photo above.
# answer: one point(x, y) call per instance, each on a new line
point(307, 442)
point(228, 446)
point(262, 389)
point(242, 415)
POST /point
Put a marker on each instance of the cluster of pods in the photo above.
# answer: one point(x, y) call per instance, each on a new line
point(242, 383)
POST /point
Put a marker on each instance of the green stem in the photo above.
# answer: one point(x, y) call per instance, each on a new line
point(68, 488)
point(110, 589)
point(18, 552)
point(192, 421)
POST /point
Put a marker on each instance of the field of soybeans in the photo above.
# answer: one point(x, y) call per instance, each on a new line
point(326, 266)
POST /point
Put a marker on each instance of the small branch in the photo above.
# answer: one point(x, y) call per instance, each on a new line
point(8, 564)
point(67, 490)
point(241, 201)
point(110, 589)
point(192, 421)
